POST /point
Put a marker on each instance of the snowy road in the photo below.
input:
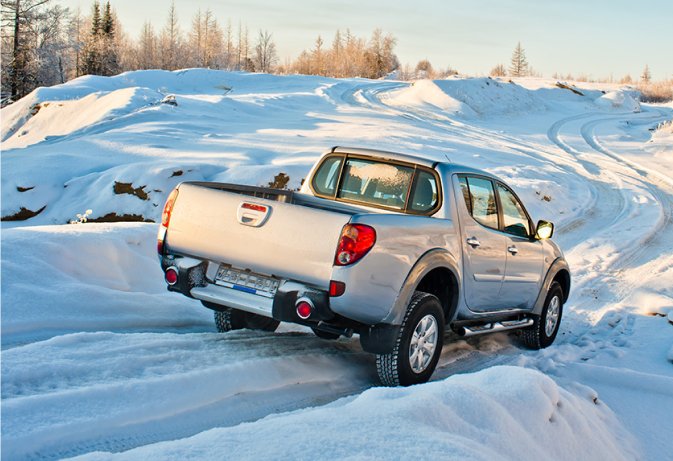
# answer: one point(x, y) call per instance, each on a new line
point(98, 357)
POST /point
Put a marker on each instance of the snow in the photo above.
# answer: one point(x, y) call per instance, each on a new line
point(98, 358)
point(499, 413)
point(75, 278)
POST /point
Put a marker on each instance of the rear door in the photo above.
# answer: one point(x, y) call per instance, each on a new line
point(483, 244)
point(286, 240)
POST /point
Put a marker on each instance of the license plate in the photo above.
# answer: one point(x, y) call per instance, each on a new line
point(248, 282)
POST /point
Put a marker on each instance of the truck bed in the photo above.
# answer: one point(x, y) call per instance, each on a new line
point(297, 240)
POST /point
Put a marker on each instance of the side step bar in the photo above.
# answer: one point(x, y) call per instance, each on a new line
point(494, 327)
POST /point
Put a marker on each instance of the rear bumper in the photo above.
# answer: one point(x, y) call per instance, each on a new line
point(196, 281)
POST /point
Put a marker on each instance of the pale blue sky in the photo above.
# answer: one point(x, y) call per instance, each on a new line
point(596, 37)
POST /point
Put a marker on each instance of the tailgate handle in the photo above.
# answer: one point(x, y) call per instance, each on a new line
point(252, 214)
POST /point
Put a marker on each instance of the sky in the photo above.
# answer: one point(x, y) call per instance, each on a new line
point(597, 38)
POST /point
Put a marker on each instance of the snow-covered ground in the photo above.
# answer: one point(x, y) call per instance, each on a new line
point(97, 358)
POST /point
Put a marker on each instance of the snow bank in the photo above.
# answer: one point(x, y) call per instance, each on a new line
point(618, 101)
point(469, 97)
point(498, 413)
point(88, 277)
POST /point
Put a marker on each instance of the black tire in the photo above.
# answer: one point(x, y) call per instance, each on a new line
point(541, 334)
point(395, 368)
point(325, 334)
point(233, 319)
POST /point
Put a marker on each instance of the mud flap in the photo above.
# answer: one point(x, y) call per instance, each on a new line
point(379, 339)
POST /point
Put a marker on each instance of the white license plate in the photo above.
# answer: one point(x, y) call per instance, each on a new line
point(248, 282)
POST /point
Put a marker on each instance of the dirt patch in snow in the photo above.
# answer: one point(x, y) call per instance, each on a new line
point(127, 188)
point(114, 217)
point(23, 214)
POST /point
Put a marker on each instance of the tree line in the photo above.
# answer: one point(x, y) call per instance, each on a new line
point(44, 44)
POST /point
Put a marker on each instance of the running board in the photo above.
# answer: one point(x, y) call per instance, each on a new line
point(494, 327)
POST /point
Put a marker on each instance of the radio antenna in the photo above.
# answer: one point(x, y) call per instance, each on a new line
point(447, 157)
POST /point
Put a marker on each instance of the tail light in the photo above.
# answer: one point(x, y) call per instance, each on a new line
point(165, 219)
point(356, 240)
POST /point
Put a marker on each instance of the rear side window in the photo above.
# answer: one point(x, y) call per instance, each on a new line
point(425, 196)
point(326, 177)
point(479, 196)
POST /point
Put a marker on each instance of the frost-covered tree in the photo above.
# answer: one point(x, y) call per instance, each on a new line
point(518, 65)
point(265, 52)
point(34, 46)
point(647, 76)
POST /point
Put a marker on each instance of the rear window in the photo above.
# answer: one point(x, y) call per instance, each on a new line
point(377, 183)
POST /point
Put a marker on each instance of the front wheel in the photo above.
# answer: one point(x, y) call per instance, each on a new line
point(546, 326)
point(418, 345)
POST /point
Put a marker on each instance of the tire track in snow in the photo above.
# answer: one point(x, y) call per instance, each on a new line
point(615, 273)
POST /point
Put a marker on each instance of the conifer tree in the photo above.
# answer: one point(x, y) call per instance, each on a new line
point(518, 65)
point(647, 76)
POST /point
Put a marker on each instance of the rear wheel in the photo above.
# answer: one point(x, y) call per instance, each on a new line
point(234, 319)
point(546, 326)
point(418, 345)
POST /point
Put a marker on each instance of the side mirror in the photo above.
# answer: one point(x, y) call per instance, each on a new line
point(544, 230)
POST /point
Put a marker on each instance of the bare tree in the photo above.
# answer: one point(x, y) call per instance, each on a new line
point(147, 57)
point(518, 65)
point(318, 57)
point(425, 66)
point(265, 52)
point(171, 41)
point(228, 37)
point(498, 71)
point(380, 57)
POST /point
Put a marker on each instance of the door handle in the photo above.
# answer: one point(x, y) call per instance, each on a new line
point(513, 250)
point(473, 242)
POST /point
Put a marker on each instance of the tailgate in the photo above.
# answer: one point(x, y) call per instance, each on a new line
point(294, 242)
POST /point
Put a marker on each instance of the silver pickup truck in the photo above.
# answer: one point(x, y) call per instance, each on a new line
point(393, 247)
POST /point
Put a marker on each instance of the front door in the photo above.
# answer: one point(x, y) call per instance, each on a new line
point(523, 273)
point(484, 246)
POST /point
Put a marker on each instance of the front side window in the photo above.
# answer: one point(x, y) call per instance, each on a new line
point(516, 220)
point(375, 183)
point(479, 197)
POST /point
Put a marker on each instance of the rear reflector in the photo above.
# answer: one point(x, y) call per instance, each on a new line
point(336, 288)
point(171, 276)
point(303, 310)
